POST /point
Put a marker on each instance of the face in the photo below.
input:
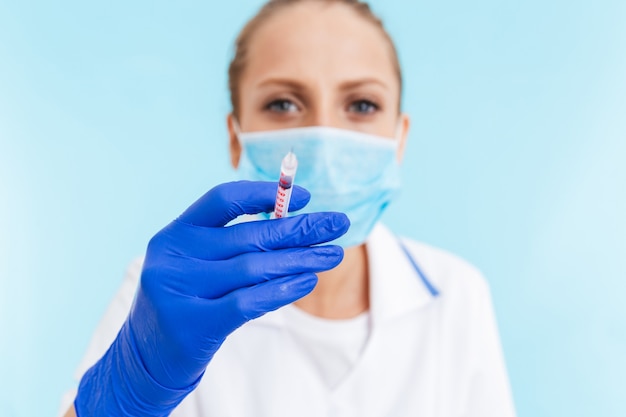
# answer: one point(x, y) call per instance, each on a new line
point(319, 65)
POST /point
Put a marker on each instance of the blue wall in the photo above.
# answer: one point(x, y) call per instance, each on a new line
point(112, 122)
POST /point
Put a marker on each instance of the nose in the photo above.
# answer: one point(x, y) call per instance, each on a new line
point(322, 111)
point(321, 118)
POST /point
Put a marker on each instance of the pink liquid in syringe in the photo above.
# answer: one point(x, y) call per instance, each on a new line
point(288, 169)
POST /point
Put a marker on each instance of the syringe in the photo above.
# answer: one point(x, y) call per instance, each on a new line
point(288, 168)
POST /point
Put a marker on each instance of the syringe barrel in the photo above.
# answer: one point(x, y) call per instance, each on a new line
point(288, 169)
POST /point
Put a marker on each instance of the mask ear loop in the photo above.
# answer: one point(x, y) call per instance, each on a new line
point(237, 128)
point(398, 140)
point(396, 135)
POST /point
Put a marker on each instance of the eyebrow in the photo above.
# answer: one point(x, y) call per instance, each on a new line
point(346, 85)
point(349, 85)
point(284, 82)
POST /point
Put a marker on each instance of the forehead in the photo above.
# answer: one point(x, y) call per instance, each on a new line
point(325, 42)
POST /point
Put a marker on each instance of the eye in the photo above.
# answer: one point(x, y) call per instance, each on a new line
point(281, 106)
point(363, 107)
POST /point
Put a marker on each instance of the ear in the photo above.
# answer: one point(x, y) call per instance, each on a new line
point(404, 125)
point(234, 145)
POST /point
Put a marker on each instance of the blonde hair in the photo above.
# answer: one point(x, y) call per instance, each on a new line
point(242, 44)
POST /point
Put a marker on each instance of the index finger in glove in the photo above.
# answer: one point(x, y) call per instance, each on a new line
point(227, 201)
point(256, 236)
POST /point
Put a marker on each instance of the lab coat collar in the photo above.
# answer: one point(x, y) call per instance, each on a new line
point(396, 287)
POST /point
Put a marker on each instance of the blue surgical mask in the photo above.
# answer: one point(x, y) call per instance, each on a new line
point(344, 170)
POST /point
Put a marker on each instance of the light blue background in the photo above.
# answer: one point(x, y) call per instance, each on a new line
point(112, 122)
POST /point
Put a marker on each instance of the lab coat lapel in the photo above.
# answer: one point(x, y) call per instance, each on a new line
point(395, 286)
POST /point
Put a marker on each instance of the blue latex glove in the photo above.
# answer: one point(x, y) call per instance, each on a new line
point(200, 282)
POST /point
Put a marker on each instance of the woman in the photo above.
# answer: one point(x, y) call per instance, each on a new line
point(390, 328)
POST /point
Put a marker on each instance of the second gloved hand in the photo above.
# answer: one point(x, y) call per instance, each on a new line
point(200, 282)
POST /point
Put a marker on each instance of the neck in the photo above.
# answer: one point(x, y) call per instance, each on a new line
point(342, 292)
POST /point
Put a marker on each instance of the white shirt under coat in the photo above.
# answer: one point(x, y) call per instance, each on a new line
point(430, 349)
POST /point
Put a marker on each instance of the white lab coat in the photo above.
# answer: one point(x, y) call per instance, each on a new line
point(433, 349)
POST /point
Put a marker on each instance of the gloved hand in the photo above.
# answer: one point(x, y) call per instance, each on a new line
point(200, 282)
